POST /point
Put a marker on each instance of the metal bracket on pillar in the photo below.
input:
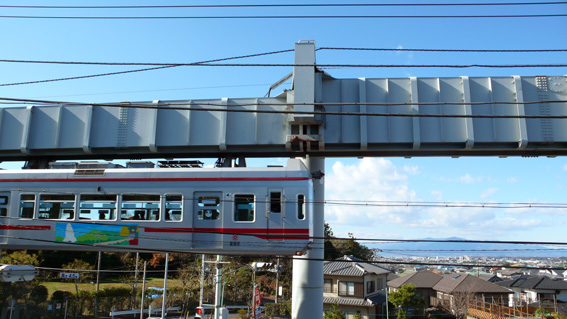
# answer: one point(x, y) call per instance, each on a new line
point(317, 175)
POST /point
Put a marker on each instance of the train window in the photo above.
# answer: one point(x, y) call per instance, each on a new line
point(97, 207)
point(300, 206)
point(140, 207)
point(275, 202)
point(244, 208)
point(173, 208)
point(55, 206)
point(209, 208)
point(27, 205)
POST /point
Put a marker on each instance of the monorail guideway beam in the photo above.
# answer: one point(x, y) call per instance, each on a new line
point(320, 117)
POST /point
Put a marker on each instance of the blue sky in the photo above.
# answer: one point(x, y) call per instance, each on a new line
point(417, 179)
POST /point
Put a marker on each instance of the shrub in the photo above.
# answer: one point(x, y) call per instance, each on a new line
point(279, 309)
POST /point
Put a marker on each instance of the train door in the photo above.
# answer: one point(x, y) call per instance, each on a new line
point(275, 212)
point(207, 219)
point(4, 209)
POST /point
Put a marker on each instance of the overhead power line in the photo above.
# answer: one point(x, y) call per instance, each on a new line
point(217, 107)
point(165, 250)
point(446, 50)
point(377, 240)
point(461, 66)
point(474, 4)
point(285, 17)
point(162, 66)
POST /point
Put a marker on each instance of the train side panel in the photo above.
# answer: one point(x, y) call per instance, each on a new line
point(226, 211)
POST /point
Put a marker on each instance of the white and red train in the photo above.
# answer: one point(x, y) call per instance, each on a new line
point(234, 211)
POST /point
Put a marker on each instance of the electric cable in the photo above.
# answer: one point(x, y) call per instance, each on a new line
point(212, 63)
point(498, 16)
point(161, 66)
point(225, 108)
point(377, 240)
point(161, 90)
point(473, 4)
point(442, 50)
point(303, 258)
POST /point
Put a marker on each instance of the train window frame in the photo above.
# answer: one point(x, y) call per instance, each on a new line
point(58, 204)
point(236, 210)
point(207, 208)
point(102, 199)
point(301, 213)
point(140, 213)
point(170, 213)
point(32, 201)
point(4, 202)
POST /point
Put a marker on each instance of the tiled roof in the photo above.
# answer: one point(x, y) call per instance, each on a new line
point(345, 266)
point(469, 284)
point(366, 302)
point(421, 279)
point(537, 282)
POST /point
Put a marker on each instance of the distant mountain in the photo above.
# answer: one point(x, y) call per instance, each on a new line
point(454, 249)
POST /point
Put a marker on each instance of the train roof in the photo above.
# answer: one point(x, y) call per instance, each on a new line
point(294, 169)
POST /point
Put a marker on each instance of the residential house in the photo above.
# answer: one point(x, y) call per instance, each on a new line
point(454, 291)
point(355, 286)
point(536, 289)
point(424, 281)
point(555, 273)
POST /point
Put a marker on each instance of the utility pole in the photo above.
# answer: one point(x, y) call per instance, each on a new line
point(97, 282)
point(135, 280)
point(277, 279)
point(202, 290)
point(164, 286)
point(218, 288)
point(143, 291)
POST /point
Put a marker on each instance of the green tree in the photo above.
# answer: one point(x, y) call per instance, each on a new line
point(334, 313)
point(335, 248)
point(404, 298)
point(20, 257)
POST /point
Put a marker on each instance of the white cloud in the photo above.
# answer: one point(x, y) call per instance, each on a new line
point(489, 192)
point(473, 222)
point(438, 195)
point(412, 170)
point(468, 179)
point(371, 187)
point(512, 180)
point(409, 55)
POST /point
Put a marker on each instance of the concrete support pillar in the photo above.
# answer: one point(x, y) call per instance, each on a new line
point(307, 291)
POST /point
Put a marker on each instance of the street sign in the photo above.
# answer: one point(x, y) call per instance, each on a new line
point(257, 300)
point(69, 275)
point(13, 273)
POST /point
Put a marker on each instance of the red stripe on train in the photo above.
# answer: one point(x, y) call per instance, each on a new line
point(24, 227)
point(296, 234)
point(208, 179)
